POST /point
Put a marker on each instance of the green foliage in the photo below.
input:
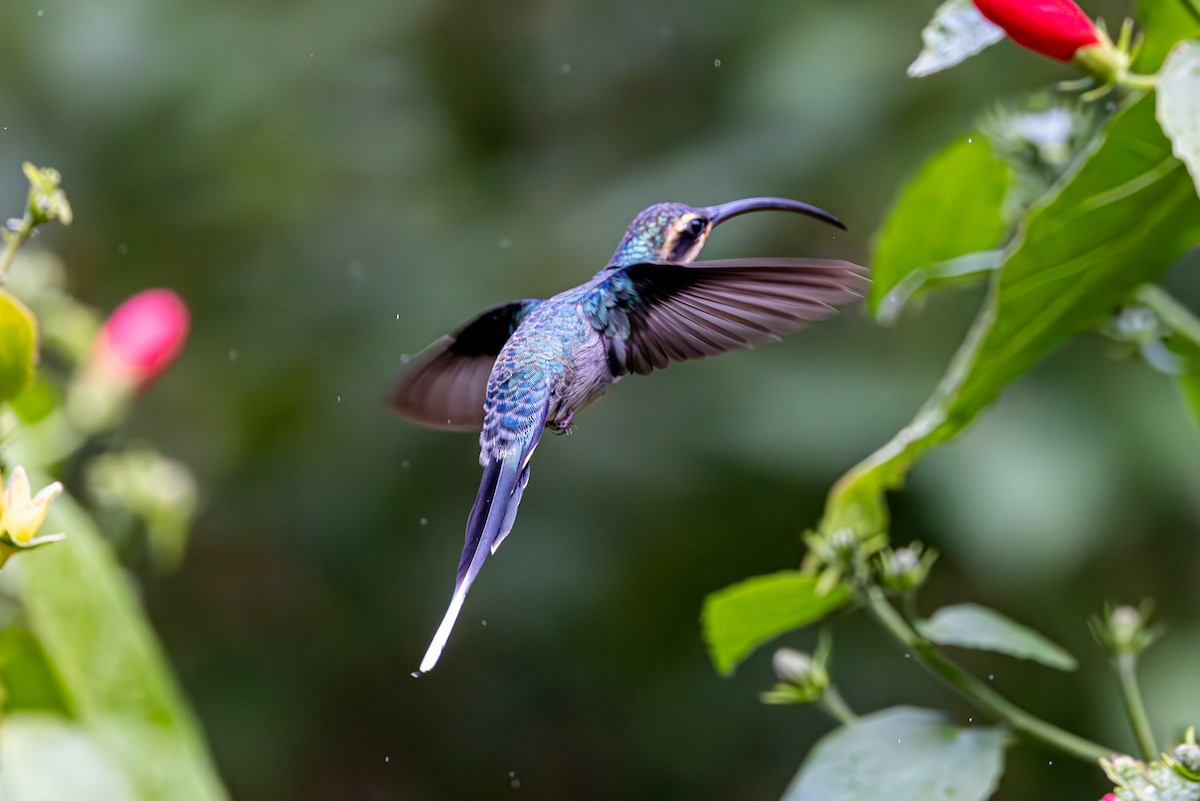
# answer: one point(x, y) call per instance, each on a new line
point(974, 626)
point(953, 207)
point(18, 346)
point(28, 680)
point(1189, 387)
point(89, 623)
point(1164, 22)
point(1119, 220)
point(740, 618)
point(1179, 104)
point(902, 754)
point(47, 758)
point(956, 32)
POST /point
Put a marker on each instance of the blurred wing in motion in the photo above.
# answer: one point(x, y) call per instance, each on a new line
point(444, 385)
point(662, 312)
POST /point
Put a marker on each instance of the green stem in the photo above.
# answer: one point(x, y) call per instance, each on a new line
point(1174, 314)
point(974, 690)
point(833, 703)
point(13, 242)
point(1126, 666)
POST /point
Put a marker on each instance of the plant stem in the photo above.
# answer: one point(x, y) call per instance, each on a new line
point(1126, 666)
point(833, 703)
point(13, 242)
point(1174, 314)
point(974, 690)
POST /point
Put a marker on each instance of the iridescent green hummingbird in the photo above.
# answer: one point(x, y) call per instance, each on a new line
point(525, 366)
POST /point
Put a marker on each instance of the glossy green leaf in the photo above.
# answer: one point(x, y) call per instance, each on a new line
point(956, 32)
point(953, 207)
point(1179, 104)
point(1124, 214)
point(18, 346)
point(47, 758)
point(741, 617)
point(29, 681)
point(1163, 24)
point(95, 634)
point(902, 754)
point(973, 626)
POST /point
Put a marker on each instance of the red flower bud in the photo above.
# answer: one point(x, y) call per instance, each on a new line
point(1055, 28)
point(1110, 797)
point(143, 336)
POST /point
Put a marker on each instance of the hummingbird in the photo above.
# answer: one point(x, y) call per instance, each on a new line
point(523, 367)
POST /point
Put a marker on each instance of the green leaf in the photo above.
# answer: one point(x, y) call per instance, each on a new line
point(1189, 387)
point(902, 754)
point(953, 207)
point(47, 758)
point(18, 346)
point(973, 626)
point(95, 634)
point(1124, 214)
point(741, 617)
point(1179, 104)
point(29, 681)
point(956, 32)
point(1164, 23)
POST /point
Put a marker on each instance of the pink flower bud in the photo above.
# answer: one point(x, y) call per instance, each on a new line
point(143, 336)
point(1055, 28)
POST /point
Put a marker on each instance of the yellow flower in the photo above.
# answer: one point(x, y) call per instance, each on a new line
point(23, 515)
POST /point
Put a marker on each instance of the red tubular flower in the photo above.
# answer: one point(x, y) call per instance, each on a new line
point(1110, 797)
point(1055, 28)
point(143, 336)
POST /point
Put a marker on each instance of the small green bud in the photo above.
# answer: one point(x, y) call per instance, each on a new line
point(47, 201)
point(905, 569)
point(1126, 629)
point(803, 679)
point(1185, 759)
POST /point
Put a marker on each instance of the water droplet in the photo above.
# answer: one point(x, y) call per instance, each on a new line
point(970, 139)
point(41, 12)
point(397, 315)
point(415, 674)
point(424, 521)
point(907, 656)
point(513, 781)
point(566, 69)
point(484, 621)
point(339, 399)
point(991, 677)
point(717, 63)
point(1051, 763)
point(387, 759)
point(404, 357)
point(312, 55)
point(233, 355)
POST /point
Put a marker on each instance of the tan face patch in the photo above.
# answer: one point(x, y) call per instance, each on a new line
point(679, 245)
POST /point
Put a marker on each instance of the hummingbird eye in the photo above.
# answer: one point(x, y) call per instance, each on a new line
point(697, 226)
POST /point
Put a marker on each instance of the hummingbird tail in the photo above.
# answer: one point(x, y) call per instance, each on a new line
point(490, 521)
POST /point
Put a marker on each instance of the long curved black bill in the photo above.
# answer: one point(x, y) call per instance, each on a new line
point(725, 211)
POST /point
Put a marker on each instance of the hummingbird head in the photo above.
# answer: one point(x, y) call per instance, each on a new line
point(676, 232)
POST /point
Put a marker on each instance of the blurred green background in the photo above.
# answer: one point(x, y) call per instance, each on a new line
point(332, 185)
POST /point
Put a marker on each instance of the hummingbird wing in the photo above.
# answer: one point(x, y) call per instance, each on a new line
point(656, 313)
point(444, 385)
